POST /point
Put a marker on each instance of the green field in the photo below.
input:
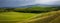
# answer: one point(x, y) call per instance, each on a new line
point(15, 16)
point(18, 17)
point(29, 15)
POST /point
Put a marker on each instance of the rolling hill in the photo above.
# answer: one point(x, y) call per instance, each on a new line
point(50, 17)
point(18, 17)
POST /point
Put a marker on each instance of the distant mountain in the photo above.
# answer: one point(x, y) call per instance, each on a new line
point(36, 5)
point(29, 6)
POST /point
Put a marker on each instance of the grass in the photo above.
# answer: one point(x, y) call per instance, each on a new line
point(50, 17)
point(18, 17)
point(14, 16)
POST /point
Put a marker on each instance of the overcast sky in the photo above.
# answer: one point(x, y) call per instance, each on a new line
point(49, 2)
point(16, 3)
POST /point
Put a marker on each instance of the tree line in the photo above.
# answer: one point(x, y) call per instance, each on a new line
point(30, 10)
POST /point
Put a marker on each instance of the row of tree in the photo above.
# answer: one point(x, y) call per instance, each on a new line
point(30, 10)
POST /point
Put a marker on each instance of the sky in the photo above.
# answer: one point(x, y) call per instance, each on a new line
point(17, 3)
point(49, 2)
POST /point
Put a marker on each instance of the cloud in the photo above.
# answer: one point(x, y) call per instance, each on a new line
point(14, 3)
point(50, 2)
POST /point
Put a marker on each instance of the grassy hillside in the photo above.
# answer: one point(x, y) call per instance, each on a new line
point(13, 17)
point(29, 15)
point(50, 17)
point(18, 17)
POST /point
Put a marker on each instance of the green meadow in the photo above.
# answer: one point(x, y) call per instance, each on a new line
point(15, 16)
point(34, 14)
